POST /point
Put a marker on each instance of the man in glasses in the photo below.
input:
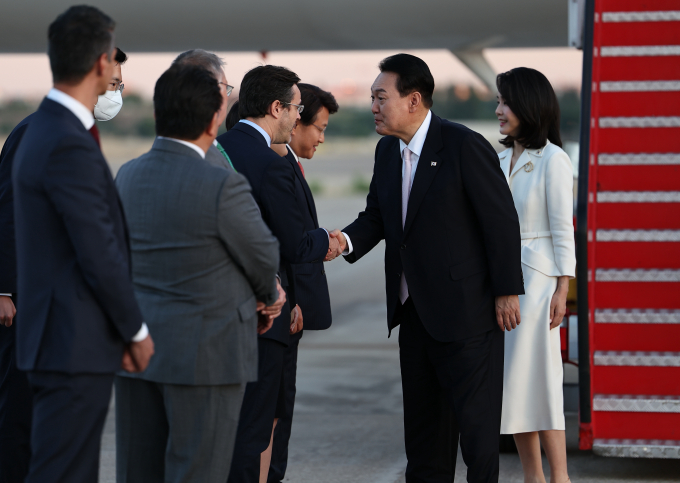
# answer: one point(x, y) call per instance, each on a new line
point(110, 103)
point(270, 105)
point(313, 307)
point(199, 57)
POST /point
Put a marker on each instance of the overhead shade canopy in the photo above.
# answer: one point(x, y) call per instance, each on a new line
point(289, 25)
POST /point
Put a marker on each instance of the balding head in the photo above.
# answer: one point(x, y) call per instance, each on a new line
point(201, 58)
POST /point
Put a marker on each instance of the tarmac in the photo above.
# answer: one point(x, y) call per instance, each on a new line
point(348, 425)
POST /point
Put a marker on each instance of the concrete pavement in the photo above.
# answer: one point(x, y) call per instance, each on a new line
point(348, 416)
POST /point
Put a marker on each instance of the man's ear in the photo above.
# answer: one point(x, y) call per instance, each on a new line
point(294, 131)
point(100, 65)
point(415, 100)
point(214, 126)
point(275, 109)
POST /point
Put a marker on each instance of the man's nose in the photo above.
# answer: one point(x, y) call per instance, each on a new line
point(375, 109)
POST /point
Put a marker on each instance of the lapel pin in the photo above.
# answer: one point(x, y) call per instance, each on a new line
point(433, 163)
point(528, 167)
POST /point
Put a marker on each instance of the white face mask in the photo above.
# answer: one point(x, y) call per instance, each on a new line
point(108, 105)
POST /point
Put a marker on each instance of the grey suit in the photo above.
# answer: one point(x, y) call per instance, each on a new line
point(201, 257)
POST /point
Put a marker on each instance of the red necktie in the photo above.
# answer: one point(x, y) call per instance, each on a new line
point(301, 169)
point(95, 134)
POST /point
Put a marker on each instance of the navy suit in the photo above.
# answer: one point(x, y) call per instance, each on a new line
point(311, 294)
point(15, 393)
point(459, 248)
point(77, 305)
point(273, 181)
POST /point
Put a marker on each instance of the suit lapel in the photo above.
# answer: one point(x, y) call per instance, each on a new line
point(394, 183)
point(428, 166)
point(308, 193)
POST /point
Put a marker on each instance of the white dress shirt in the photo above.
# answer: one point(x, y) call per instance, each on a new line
point(76, 107)
point(262, 131)
point(85, 116)
point(187, 144)
point(416, 147)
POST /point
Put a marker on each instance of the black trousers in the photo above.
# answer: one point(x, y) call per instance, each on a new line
point(279, 462)
point(15, 411)
point(257, 413)
point(468, 376)
point(68, 418)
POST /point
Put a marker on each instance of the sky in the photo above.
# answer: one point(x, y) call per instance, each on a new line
point(348, 75)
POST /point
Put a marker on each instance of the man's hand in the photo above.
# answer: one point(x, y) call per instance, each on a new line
point(267, 314)
point(558, 303)
point(295, 320)
point(274, 310)
point(507, 312)
point(7, 310)
point(264, 323)
point(137, 355)
point(341, 246)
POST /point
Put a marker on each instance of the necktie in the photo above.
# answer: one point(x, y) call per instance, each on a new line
point(226, 156)
point(95, 134)
point(405, 193)
point(301, 169)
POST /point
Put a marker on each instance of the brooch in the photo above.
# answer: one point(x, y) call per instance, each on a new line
point(529, 167)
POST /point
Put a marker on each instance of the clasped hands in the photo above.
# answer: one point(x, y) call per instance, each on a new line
point(337, 243)
point(267, 313)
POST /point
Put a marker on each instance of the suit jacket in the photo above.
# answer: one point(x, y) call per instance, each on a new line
point(542, 184)
point(8, 257)
point(77, 303)
point(309, 279)
point(201, 257)
point(460, 245)
point(273, 182)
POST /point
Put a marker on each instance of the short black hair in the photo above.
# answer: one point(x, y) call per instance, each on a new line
point(76, 39)
point(314, 98)
point(185, 100)
point(532, 99)
point(262, 86)
point(413, 75)
point(233, 116)
point(121, 57)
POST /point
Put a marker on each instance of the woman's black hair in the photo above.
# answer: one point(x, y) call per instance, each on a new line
point(532, 99)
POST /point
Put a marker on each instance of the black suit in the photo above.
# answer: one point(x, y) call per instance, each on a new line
point(77, 305)
point(459, 248)
point(15, 393)
point(311, 294)
point(273, 181)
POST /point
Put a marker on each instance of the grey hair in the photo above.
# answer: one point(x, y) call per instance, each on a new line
point(201, 58)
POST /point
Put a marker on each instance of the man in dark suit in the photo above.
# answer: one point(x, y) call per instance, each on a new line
point(15, 393)
point(79, 317)
point(269, 103)
point(452, 268)
point(313, 309)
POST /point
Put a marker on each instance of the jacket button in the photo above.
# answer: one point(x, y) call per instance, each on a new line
point(403, 246)
point(323, 271)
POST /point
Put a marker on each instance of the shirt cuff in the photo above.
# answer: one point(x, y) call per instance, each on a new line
point(5, 294)
point(349, 248)
point(142, 334)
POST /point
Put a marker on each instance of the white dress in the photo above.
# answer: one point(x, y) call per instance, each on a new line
point(541, 184)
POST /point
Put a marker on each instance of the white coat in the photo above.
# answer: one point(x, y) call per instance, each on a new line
point(542, 188)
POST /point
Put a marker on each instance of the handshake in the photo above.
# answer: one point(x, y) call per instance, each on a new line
point(337, 243)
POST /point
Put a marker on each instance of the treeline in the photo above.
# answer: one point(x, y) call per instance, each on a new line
point(455, 102)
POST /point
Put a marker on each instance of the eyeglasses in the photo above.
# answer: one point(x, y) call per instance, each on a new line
point(117, 86)
point(300, 108)
point(121, 87)
point(321, 130)
point(229, 88)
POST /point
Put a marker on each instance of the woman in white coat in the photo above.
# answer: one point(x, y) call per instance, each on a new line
point(540, 176)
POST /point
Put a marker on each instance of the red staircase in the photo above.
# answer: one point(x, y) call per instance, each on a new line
point(633, 230)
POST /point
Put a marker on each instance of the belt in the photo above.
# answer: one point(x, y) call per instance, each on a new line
point(535, 234)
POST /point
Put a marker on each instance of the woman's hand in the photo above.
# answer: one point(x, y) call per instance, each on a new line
point(558, 303)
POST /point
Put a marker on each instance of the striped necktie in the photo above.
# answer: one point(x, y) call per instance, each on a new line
point(226, 156)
